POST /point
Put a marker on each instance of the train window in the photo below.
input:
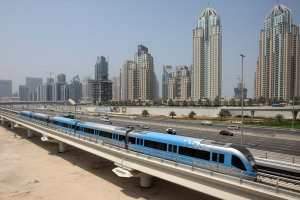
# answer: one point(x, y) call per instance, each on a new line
point(132, 140)
point(196, 153)
point(121, 137)
point(214, 157)
point(221, 158)
point(174, 148)
point(105, 134)
point(155, 145)
point(170, 147)
point(236, 162)
point(139, 141)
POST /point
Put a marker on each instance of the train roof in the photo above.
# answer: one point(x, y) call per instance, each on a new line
point(26, 111)
point(179, 140)
point(40, 115)
point(65, 120)
point(105, 127)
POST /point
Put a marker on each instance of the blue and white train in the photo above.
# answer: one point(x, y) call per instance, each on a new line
point(225, 158)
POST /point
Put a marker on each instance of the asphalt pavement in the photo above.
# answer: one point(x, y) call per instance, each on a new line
point(267, 141)
point(280, 141)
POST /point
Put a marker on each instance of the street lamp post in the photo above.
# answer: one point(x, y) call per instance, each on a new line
point(293, 122)
point(242, 101)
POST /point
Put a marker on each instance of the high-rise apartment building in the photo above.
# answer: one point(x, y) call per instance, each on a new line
point(116, 90)
point(238, 91)
point(207, 56)
point(32, 83)
point(5, 88)
point(50, 89)
point(75, 88)
point(101, 68)
point(129, 81)
point(61, 88)
point(167, 70)
point(179, 84)
point(138, 80)
point(278, 67)
point(96, 91)
point(23, 93)
point(145, 73)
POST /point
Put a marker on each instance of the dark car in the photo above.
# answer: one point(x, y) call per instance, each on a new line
point(225, 132)
point(171, 131)
point(130, 127)
point(69, 115)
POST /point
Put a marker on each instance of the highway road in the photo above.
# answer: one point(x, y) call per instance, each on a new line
point(287, 143)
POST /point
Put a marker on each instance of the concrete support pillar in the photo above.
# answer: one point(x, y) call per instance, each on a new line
point(61, 147)
point(295, 113)
point(145, 180)
point(29, 133)
point(252, 114)
point(2, 121)
point(12, 125)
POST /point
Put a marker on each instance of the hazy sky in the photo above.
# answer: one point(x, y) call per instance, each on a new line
point(38, 37)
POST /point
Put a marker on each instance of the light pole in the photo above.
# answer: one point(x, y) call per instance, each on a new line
point(293, 122)
point(242, 101)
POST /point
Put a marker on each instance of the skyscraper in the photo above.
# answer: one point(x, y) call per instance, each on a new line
point(5, 88)
point(101, 69)
point(61, 88)
point(238, 91)
point(278, 67)
point(23, 93)
point(207, 56)
point(129, 81)
point(179, 84)
point(75, 88)
point(32, 83)
point(145, 73)
point(116, 88)
point(167, 69)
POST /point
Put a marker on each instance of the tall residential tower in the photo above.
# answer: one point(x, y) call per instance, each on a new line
point(207, 56)
point(145, 73)
point(278, 67)
point(101, 69)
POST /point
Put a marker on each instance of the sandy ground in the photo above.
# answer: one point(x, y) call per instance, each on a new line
point(31, 169)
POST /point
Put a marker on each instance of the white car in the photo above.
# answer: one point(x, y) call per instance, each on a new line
point(107, 121)
point(206, 122)
point(233, 127)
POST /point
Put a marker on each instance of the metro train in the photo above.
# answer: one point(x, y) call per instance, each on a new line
point(227, 158)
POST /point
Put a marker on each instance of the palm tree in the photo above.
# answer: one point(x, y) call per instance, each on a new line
point(145, 113)
point(224, 113)
point(192, 114)
point(279, 118)
point(172, 114)
point(170, 102)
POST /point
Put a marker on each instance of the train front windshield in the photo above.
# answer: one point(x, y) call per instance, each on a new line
point(247, 154)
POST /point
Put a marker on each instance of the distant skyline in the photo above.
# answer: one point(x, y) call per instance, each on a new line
point(66, 37)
